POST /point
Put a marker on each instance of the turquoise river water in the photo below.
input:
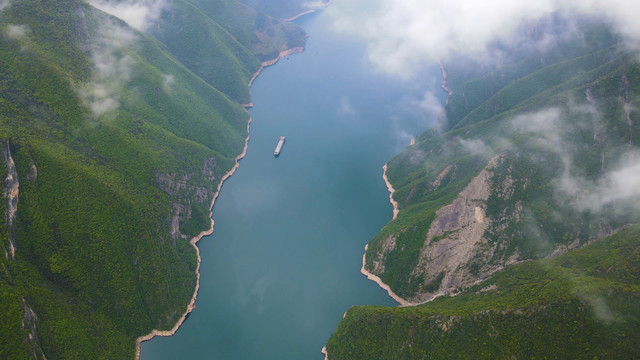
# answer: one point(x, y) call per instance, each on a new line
point(283, 263)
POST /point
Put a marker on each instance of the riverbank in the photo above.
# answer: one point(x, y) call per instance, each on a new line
point(264, 64)
point(369, 275)
point(194, 241)
point(363, 270)
point(375, 278)
point(310, 11)
point(379, 281)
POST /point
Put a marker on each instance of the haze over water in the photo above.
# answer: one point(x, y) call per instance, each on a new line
point(283, 263)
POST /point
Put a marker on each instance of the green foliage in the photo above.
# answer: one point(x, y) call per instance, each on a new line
point(475, 85)
point(563, 114)
point(95, 258)
point(205, 47)
point(240, 22)
point(584, 302)
point(405, 258)
point(198, 221)
point(487, 114)
point(13, 344)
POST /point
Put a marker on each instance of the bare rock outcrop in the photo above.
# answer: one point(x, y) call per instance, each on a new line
point(172, 184)
point(210, 168)
point(29, 319)
point(187, 190)
point(455, 239)
point(387, 246)
point(178, 212)
point(11, 192)
point(32, 174)
point(438, 180)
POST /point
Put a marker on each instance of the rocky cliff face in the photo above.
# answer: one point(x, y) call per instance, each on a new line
point(11, 191)
point(29, 320)
point(508, 212)
point(562, 131)
point(456, 236)
point(189, 191)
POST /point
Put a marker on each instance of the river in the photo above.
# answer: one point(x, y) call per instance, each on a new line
point(283, 263)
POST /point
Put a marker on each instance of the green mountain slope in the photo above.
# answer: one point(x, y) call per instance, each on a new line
point(579, 305)
point(112, 150)
point(262, 35)
point(223, 42)
point(498, 177)
point(538, 158)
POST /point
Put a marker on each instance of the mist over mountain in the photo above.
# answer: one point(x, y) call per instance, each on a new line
point(517, 229)
point(406, 35)
point(533, 155)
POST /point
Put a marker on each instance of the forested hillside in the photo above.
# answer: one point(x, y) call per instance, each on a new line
point(537, 156)
point(581, 305)
point(516, 138)
point(114, 141)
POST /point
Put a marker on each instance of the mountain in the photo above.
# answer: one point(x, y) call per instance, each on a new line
point(579, 305)
point(537, 157)
point(114, 142)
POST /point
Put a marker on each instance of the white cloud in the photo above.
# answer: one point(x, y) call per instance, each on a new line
point(403, 35)
point(550, 130)
point(414, 113)
point(139, 14)
point(618, 186)
point(112, 68)
point(432, 111)
point(167, 82)
point(17, 32)
point(546, 125)
point(477, 147)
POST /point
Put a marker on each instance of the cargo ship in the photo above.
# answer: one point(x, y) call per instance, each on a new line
point(279, 146)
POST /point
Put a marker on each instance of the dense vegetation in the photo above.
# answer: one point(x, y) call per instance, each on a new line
point(580, 93)
point(551, 135)
point(119, 143)
point(583, 304)
point(223, 42)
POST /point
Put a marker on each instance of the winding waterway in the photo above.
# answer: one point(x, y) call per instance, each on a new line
point(282, 265)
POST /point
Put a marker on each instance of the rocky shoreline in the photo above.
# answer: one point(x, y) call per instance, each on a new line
point(380, 283)
point(369, 275)
point(209, 231)
point(193, 243)
point(363, 270)
point(283, 53)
